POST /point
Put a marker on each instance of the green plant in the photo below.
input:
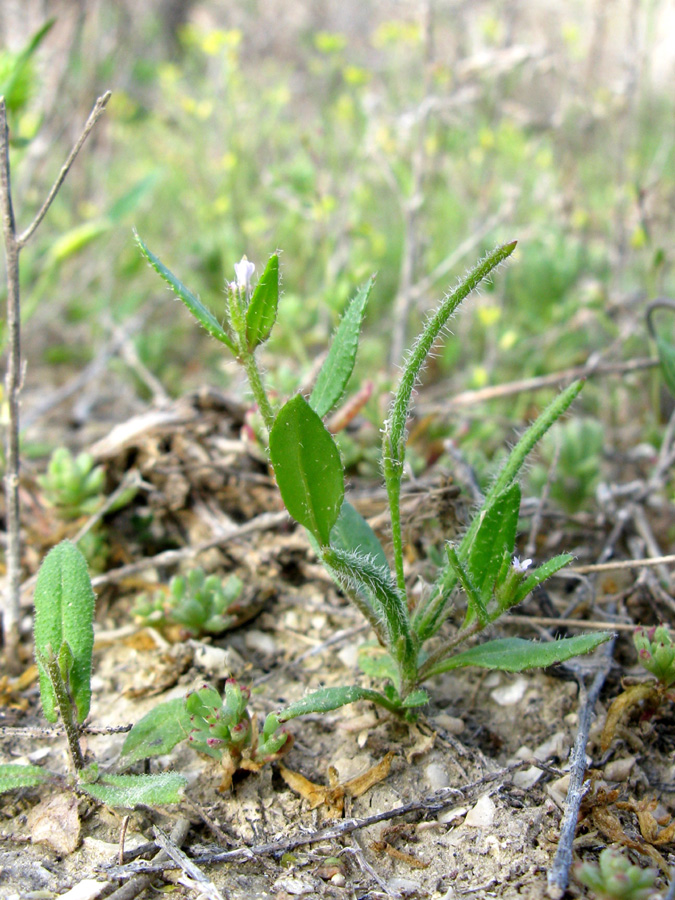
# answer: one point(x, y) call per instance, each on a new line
point(616, 878)
point(72, 485)
point(64, 640)
point(201, 604)
point(656, 654)
point(310, 478)
point(220, 727)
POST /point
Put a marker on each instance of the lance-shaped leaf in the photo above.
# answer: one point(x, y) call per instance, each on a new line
point(166, 725)
point(130, 791)
point(496, 533)
point(307, 468)
point(64, 613)
point(517, 654)
point(339, 363)
point(540, 574)
point(327, 699)
point(16, 776)
point(262, 308)
point(204, 316)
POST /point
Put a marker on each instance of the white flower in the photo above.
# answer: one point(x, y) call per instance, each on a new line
point(521, 567)
point(244, 270)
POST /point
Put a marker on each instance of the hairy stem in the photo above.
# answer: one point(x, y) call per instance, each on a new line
point(65, 705)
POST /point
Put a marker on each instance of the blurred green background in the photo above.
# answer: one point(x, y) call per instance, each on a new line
point(405, 138)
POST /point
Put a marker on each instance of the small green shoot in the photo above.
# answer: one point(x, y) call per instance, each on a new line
point(64, 640)
point(199, 604)
point(616, 878)
point(72, 485)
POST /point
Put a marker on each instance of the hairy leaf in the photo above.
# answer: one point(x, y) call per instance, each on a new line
point(262, 308)
point(204, 316)
point(517, 654)
point(166, 725)
point(17, 776)
point(339, 363)
point(327, 699)
point(133, 790)
point(64, 613)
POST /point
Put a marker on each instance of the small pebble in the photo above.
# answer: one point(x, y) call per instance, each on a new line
point(404, 885)
point(338, 879)
point(557, 790)
point(556, 745)
point(526, 778)
point(349, 655)
point(511, 693)
point(449, 815)
point(619, 769)
point(437, 776)
point(260, 642)
point(483, 813)
point(451, 724)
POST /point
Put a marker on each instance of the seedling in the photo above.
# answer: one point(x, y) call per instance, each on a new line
point(656, 654)
point(310, 477)
point(198, 603)
point(72, 485)
point(616, 878)
point(64, 640)
point(219, 727)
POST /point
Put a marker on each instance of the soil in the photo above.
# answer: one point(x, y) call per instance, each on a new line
point(473, 813)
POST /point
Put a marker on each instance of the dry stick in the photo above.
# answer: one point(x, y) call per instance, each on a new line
point(13, 245)
point(137, 885)
point(622, 564)
point(468, 398)
point(558, 876)
point(204, 885)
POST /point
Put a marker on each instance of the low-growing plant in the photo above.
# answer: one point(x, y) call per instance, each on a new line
point(656, 654)
point(616, 878)
point(64, 641)
point(198, 603)
point(72, 485)
point(310, 477)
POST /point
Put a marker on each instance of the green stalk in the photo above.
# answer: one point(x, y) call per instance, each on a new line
point(65, 706)
point(426, 670)
point(394, 439)
point(248, 360)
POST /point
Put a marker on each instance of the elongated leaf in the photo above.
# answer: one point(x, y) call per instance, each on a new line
point(351, 532)
point(204, 316)
point(362, 573)
point(517, 654)
point(476, 604)
point(495, 535)
point(540, 574)
point(666, 352)
point(307, 468)
point(339, 364)
point(17, 776)
point(64, 614)
point(166, 725)
point(77, 239)
point(327, 699)
point(262, 308)
point(133, 790)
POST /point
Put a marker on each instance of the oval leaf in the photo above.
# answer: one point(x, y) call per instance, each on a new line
point(307, 468)
point(204, 316)
point(262, 308)
point(339, 363)
point(64, 613)
point(157, 732)
point(327, 699)
point(517, 654)
point(133, 790)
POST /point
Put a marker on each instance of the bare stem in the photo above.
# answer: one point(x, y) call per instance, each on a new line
point(94, 116)
point(11, 605)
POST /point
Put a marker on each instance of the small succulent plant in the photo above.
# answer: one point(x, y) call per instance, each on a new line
point(616, 878)
point(199, 603)
point(72, 485)
point(656, 653)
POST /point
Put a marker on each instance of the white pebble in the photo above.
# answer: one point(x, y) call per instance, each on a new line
point(483, 813)
point(451, 724)
point(260, 642)
point(437, 776)
point(511, 693)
